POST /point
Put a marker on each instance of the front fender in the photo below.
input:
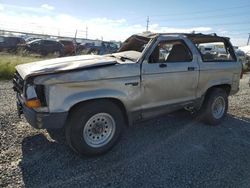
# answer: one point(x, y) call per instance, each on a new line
point(72, 100)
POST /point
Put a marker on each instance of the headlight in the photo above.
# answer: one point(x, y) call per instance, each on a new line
point(31, 92)
point(32, 99)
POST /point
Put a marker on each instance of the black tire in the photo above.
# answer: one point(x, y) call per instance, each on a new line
point(78, 120)
point(206, 113)
point(57, 135)
point(94, 52)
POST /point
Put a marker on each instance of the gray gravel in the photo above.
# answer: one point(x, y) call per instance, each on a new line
point(172, 151)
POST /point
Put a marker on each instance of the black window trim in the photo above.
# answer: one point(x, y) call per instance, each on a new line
point(176, 40)
point(226, 44)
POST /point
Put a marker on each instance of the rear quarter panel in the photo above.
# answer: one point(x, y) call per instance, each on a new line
point(218, 73)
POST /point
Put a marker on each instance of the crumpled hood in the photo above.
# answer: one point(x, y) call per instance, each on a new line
point(63, 64)
point(75, 62)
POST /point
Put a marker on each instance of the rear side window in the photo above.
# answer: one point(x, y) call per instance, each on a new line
point(1, 39)
point(49, 42)
point(215, 52)
point(66, 42)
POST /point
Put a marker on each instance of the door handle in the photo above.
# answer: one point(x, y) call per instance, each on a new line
point(162, 65)
point(191, 68)
point(132, 83)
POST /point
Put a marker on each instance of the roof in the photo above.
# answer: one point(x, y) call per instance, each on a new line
point(196, 37)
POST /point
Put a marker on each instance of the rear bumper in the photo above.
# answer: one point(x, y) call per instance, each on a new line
point(42, 120)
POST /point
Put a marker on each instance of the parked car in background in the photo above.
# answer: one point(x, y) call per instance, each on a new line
point(82, 48)
point(10, 44)
point(101, 49)
point(246, 50)
point(104, 48)
point(29, 39)
point(69, 46)
point(45, 47)
point(242, 57)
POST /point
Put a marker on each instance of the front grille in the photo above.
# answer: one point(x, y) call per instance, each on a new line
point(18, 83)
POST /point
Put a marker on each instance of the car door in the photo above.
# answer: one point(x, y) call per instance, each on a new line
point(2, 42)
point(35, 46)
point(169, 76)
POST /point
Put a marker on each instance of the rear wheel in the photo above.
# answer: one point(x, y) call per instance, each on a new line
point(215, 106)
point(56, 53)
point(94, 127)
point(94, 52)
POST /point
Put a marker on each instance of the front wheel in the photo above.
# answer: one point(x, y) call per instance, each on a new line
point(94, 127)
point(215, 106)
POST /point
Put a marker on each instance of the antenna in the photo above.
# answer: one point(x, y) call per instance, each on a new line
point(147, 23)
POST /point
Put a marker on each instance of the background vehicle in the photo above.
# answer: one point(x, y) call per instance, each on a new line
point(94, 97)
point(69, 46)
point(246, 50)
point(10, 44)
point(29, 39)
point(243, 58)
point(104, 48)
point(45, 47)
point(92, 48)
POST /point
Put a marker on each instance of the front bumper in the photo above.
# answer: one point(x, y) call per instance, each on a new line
point(42, 120)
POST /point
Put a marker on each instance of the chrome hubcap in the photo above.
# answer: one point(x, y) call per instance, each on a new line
point(56, 54)
point(99, 130)
point(218, 107)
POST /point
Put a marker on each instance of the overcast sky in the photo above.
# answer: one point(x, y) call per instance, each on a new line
point(117, 20)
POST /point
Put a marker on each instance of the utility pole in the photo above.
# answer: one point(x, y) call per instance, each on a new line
point(75, 35)
point(147, 23)
point(86, 32)
point(248, 41)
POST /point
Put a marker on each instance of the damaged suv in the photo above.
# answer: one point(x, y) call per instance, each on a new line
point(92, 97)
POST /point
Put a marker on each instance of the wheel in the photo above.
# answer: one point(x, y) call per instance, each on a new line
point(56, 54)
point(57, 135)
point(94, 127)
point(94, 52)
point(215, 106)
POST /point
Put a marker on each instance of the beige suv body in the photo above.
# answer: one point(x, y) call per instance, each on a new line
point(152, 74)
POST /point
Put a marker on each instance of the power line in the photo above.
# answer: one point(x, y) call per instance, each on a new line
point(217, 16)
point(202, 11)
point(213, 24)
point(139, 19)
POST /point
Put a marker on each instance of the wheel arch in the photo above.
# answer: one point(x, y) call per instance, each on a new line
point(115, 101)
point(225, 87)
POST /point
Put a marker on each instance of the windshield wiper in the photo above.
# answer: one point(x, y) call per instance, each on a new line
point(122, 58)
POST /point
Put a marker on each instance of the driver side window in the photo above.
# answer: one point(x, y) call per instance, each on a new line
point(171, 52)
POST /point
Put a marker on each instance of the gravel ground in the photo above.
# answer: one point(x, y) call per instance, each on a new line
point(171, 151)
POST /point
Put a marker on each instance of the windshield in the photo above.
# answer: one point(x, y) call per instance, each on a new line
point(134, 43)
point(32, 41)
